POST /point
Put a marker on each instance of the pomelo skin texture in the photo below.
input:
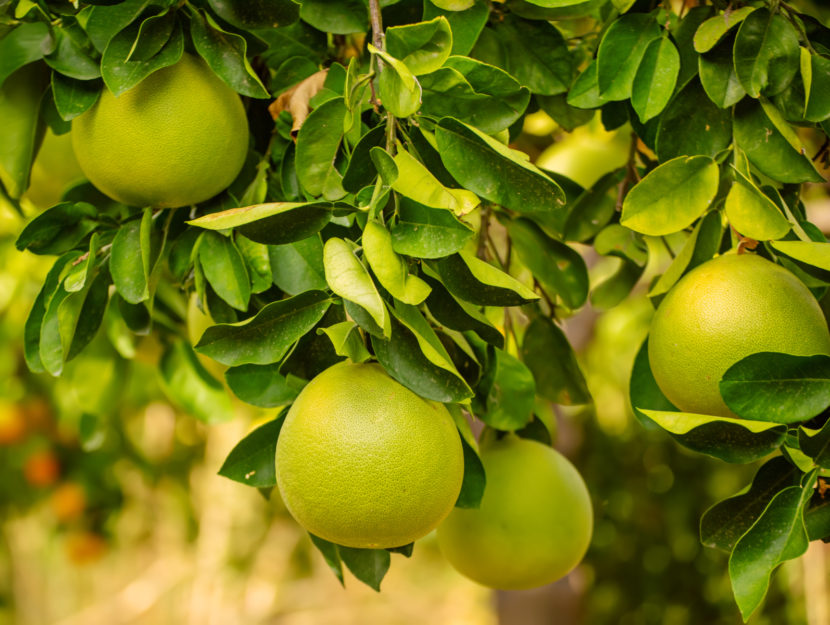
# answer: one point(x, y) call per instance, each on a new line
point(177, 138)
point(362, 461)
point(534, 524)
point(721, 312)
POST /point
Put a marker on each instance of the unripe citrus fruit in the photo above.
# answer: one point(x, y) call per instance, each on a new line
point(179, 137)
point(362, 461)
point(535, 520)
point(721, 312)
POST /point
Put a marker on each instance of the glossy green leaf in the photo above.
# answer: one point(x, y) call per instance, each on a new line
point(549, 356)
point(479, 282)
point(557, 267)
point(342, 17)
point(777, 536)
point(317, 144)
point(367, 565)
point(251, 461)
point(620, 53)
point(346, 340)
point(349, 279)
point(458, 315)
point(266, 337)
point(273, 223)
point(777, 387)
point(186, 382)
point(399, 90)
point(584, 93)
point(225, 269)
point(391, 269)
point(816, 444)
point(58, 229)
point(120, 74)
point(127, 264)
point(731, 440)
point(258, 262)
point(416, 182)
point(256, 14)
point(752, 213)
point(70, 59)
point(508, 389)
point(466, 24)
point(671, 196)
point(767, 146)
point(422, 47)
point(74, 97)
point(818, 101)
point(473, 92)
point(811, 253)
point(655, 79)
point(724, 523)
point(104, 21)
point(693, 125)
point(263, 385)
point(425, 232)
point(766, 53)
point(226, 54)
point(535, 54)
point(494, 171)
point(25, 44)
point(710, 32)
point(298, 267)
point(718, 75)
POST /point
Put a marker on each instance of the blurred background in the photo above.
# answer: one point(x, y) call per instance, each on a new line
point(112, 512)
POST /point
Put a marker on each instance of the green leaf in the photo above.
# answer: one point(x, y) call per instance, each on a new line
point(91, 314)
point(349, 279)
point(765, 141)
point(298, 267)
point(584, 93)
point(226, 54)
point(818, 100)
point(104, 21)
point(186, 382)
point(620, 53)
point(473, 92)
point(346, 340)
point(273, 223)
point(128, 265)
point(225, 270)
point(591, 209)
point(816, 444)
point(778, 387)
point(535, 54)
point(615, 289)
point(266, 337)
point(331, 554)
point(22, 129)
point(494, 171)
point(58, 229)
point(508, 392)
point(710, 32)
point(718, 75)
point(619, 241)
point(809, 252)
point(342, 17)
point(549, 356)
point(702, 245)
point(74, 97)
point(724, 523)
point(367, 565)
point(258, 262)
point(466, 25)
point(671, 196)
point(410, 358)
point(655, 79)
point(391, 270)
point(256, 14)
point(453, 5)
point(752, 213)
point(425, 232)
point(416, 182)
point(568, 117)
point(766, 53)
point(558, 268)
point(458, 315)
point(643, 392)
point(70, 58)
point(251, 461)
point(731, 440)
point(777, 536)
point(121, 74)
point(479, 282)
point(25, 44)
point(422, 47)
point(693, 125)
point(399, 90)
point(263, 385)
point(317, 144)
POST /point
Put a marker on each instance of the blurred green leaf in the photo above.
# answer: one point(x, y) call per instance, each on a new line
point(367, 565)
point(340, 17)
point(263, 385)
point(506, 393)
point(256, 14)
point(549, 356)
point(643, 391)
point(25, 44)
point(189, 385)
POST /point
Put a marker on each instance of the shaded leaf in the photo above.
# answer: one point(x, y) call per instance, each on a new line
point(251, 461)
point(186, 382)
point(263, 385)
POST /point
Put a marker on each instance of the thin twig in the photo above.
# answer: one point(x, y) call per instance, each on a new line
point(631, 174)
point(378, 40)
